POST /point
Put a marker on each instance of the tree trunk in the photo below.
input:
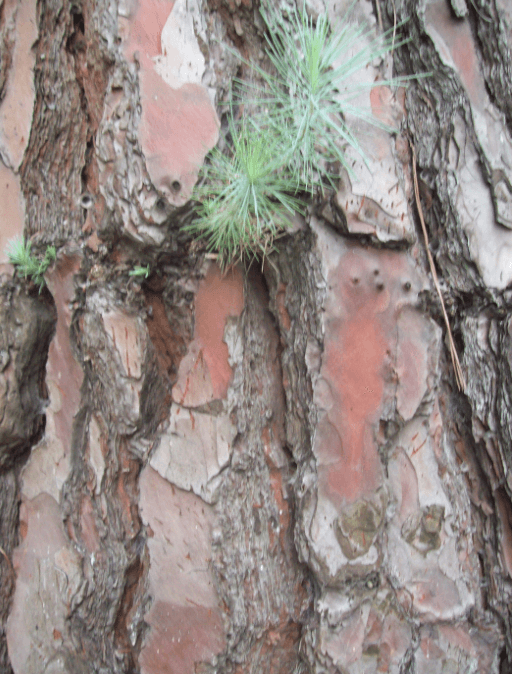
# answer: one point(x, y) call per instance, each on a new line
point(273, 469)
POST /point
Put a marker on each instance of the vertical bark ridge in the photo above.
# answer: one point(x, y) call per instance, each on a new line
point(261, 581)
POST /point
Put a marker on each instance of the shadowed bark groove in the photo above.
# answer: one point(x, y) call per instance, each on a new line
point(26, 326)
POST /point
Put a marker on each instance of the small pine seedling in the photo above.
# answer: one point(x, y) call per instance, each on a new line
point(248, 199)
point(248, 195)
point(28, 265)
point(309, 98)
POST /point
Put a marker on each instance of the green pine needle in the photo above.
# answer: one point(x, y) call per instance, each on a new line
point(248, 198)
point(28, 265)
point(138, 270)
point(310, 97)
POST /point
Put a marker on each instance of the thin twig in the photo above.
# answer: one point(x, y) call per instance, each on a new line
point(485, 18)
point(380, 20)
point(395, 26)
point(454, 354)
point(2, 551)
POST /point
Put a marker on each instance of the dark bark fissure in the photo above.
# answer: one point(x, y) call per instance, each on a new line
point(494, 39)
point(70, 78)
point(109, 609)
point(9, 528)
point(60, 180)
point(26, 327)
point(55, 145)
point(6, 49)
point(495, 596)
point(296, 301)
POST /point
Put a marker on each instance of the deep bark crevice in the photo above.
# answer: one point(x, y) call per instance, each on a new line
point(27, 324)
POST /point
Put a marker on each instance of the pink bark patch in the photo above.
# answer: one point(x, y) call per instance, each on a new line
point(205, 373)
point(185, 620)
point(124, 332)
point(145, 29)
point(178, 127)
point(64, 374)
point(403, 478)
point(382, 105)
point(18, 100)
point(181, 636)
point(434, 595)
point(41, 559)
point(88, 529)
point(458, 40)
point(366, 290)
point(219, 296)
point(12, 212)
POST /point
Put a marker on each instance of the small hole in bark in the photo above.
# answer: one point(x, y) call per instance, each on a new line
point(86, 201)
point(380, 286)
point(376, 272)
point(407, 286)
point(160, 205)
point(78, 20)
point(175, 185)
point(356, 280)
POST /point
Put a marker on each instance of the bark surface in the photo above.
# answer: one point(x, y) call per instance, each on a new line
point(270, 469)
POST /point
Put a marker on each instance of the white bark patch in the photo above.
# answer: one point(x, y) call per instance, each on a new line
point(182, 61)
point(489, 245)
point(194, 450)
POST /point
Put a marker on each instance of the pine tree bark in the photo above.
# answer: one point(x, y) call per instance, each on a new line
point(272, 469)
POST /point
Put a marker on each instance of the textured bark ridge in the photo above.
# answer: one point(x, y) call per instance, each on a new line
point(272, 469)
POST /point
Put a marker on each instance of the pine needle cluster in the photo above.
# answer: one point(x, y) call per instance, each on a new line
point(247, 199)
point(313, 92)
point(284, 153)
point(28, 265)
